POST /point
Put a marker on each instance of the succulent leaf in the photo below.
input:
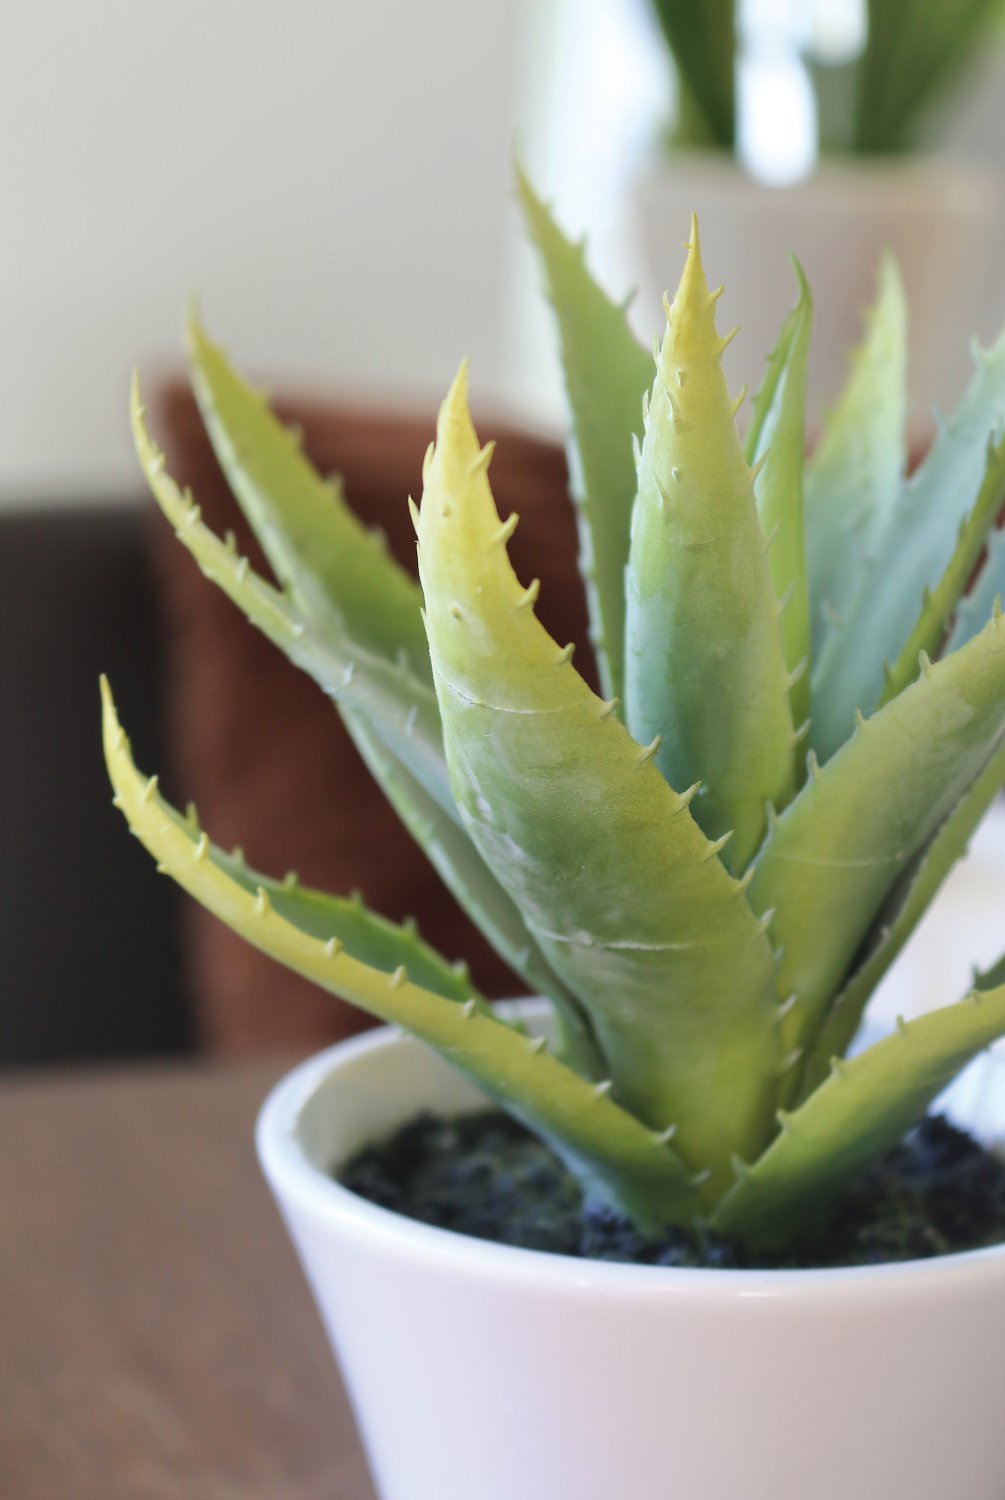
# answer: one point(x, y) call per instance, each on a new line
point(332, 565)
point(476, 890)
point(607, 373)
point(855, 473)
point(975, 608)
point(364, 936)
point(907, 904)
point(852, 830)
point(614, 878)
point(776, 439)
point(399, 707)
point(939, 603)
point(862, 1110)
point(614, 1155)
point(704, 664)
point(910, 556)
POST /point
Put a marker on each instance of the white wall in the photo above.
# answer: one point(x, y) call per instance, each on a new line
point(332, 175)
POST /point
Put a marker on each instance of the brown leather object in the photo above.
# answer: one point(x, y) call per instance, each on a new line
point(264, 755)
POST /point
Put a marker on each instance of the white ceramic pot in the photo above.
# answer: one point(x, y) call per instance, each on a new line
point(941, 218)
point(479, 1372)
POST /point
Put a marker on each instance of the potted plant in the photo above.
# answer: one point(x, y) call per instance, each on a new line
point(872, 181)
point(704, 871)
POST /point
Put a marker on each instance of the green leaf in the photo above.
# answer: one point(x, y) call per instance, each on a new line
point(910, 556)
point(704, 664)
point(614, 1155)
point(915, 51)
point(399, 707)
point(855, 473)
point(703, 42)
point(939, 603)
point(621, 889)
point(476, 890)
point(776, 439)
point(835, 854)
point(975, 608)
point(334, 568)
point(607, 373)
point(864, 1108)
point(365, 936)
point(909, 900)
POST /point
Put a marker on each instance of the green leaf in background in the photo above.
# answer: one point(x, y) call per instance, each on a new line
point(702, 38)
point(915, 51)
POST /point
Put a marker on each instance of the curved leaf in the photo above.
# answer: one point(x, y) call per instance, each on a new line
point(612, 1153)
point(863, 1109)
point(365, 936)
point(400, 708)
point(334, 568)
point(618, 884)
point(834, 855)
point(908, 902)
point(476, 890)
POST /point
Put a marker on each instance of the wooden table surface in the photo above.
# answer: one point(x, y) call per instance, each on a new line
point(157, 1340)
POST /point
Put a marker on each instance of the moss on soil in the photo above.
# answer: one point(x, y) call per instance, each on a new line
point(484, 1175)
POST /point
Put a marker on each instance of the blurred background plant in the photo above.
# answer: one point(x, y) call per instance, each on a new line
point(876, 68)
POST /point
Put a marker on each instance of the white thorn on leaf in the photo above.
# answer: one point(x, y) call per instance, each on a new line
point(399, 977)
point(506, 530)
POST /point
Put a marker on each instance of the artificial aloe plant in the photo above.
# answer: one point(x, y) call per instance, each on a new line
point(708, 869)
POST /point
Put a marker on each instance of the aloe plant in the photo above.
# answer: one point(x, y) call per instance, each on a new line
point(709, 870)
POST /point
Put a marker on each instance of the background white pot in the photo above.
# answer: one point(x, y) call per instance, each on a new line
point(942, 219)
point(480, 1372)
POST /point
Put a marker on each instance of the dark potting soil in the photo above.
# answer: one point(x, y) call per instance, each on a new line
point(484, 1175)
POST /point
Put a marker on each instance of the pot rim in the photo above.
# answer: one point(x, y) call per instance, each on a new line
point(290, 1171)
